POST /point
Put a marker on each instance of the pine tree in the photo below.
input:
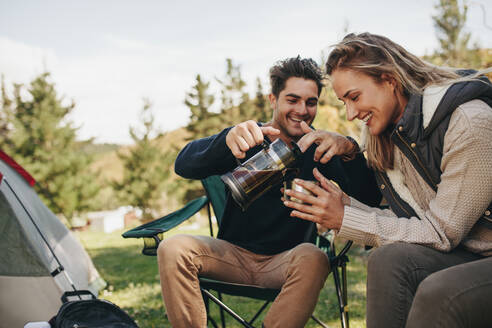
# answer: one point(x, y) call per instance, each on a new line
point(199, 101)
point(235, 107)
point(39, 136)
point(263, 112)
point(453, 39)
point(5, 113)
point(146, 168)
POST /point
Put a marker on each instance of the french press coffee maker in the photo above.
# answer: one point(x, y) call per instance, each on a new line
point(267, 168)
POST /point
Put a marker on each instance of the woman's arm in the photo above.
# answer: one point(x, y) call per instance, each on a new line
point(463, 194)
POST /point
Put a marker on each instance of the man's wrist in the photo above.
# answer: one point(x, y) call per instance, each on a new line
point(350, 155)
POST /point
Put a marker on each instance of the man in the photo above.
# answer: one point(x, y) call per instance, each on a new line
point(262, 246)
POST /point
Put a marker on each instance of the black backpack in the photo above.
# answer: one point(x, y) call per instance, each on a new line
point(90, 313)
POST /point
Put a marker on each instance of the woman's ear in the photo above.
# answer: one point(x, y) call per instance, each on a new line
point(390, 79)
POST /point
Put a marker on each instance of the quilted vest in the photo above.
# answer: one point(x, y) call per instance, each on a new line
point(424, 146)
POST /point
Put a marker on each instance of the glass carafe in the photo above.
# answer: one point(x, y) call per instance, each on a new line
point(267, 168)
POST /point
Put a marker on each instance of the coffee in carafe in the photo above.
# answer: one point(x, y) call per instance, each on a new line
point(267, 168)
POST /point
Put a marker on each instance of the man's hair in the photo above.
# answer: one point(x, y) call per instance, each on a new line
point(305, 68)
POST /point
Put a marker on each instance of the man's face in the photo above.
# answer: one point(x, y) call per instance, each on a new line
point(297, 102)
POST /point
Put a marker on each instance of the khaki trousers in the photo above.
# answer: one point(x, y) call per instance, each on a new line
point(299, 272)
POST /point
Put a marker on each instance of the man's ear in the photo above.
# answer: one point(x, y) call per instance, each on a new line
point(273, 100)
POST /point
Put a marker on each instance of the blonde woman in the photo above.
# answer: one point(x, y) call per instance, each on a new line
point(428, 136)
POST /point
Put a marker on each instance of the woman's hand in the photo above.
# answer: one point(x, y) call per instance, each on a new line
point(325, 207)
point(329, 143)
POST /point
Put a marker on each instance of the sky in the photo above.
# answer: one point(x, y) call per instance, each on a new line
point(107, 56)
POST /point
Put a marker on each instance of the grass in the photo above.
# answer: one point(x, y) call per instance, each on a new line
point(133, 283)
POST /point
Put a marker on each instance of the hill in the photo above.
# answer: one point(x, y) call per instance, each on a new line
point(109, 165)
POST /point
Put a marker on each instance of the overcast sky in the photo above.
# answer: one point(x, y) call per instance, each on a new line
point(109, 55)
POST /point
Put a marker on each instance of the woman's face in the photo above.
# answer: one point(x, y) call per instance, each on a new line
point(378, 104)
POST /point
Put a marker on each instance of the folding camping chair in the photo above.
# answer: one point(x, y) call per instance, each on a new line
point(153, 232)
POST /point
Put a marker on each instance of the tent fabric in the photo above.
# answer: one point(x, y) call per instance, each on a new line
point(34, 243)
point(16, 251)
point(10, 161)
point(27, 299)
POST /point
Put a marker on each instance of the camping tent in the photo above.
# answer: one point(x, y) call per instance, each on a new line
point(39, 258)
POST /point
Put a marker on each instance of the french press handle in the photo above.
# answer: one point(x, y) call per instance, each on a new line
point(264, 145)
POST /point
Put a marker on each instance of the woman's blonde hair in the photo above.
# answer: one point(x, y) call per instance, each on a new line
point(376, 55)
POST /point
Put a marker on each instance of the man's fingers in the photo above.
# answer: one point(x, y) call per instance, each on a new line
point(308, 138)
point(236, 151)
point(242, 144)
point(327, 156)
point(305, 127)
point(321, 150)
point(306, 141)
point(249, 139)
point(270, 130)
point(256, 133)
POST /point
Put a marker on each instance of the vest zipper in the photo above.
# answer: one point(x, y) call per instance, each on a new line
point(390, 188)
point(434, 186)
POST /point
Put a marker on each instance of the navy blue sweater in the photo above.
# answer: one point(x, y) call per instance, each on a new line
point(266, 227)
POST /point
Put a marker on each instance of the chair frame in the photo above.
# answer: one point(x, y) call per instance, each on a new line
point(337, 263)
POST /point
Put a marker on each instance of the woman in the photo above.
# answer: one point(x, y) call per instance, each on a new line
point(428, 137)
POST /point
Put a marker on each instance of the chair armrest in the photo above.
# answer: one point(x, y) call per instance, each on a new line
point(152, 232)
point(169, 221)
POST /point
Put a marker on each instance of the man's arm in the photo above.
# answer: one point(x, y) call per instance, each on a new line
point(205, 157)
point(215, 155)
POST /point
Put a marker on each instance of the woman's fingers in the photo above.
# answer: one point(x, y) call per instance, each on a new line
point(301, 207)
point(304, 216)
point(311, 186)
point(303, 197)
point(325, 183)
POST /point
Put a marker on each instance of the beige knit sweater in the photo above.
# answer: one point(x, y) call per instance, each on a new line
point(448, 217)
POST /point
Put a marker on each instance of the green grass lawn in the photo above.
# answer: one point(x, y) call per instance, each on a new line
point(133, 283)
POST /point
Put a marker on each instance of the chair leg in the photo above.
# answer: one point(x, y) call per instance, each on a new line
point(345, 294)
point(227, 309)
point(319, 322)
point(207, 308)
point(222, 318)
point(341, 295)
point(259, 312)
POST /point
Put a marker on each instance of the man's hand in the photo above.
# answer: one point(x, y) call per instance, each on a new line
point(246, 135)
point(329, 143)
